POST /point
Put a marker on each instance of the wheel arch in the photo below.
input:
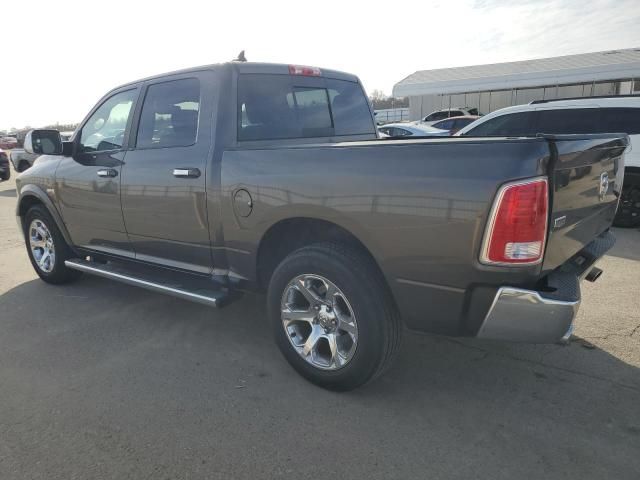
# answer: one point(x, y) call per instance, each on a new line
point(31, 195)
point(290, 234)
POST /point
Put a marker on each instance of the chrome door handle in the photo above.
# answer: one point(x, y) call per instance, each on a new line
point(107, 172)
point(186, 172)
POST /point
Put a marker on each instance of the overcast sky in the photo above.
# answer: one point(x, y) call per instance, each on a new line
point(59, 57)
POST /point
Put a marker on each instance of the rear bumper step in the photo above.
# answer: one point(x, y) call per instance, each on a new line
point(200, 290)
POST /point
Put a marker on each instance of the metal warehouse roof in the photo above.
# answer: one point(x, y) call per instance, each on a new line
point(569, 69)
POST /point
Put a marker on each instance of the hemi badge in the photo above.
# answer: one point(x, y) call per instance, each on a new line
point(559, 222)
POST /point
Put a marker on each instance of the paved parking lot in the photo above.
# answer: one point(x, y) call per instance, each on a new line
point(102, 380)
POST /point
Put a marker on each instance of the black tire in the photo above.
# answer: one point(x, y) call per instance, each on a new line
point(628, 214)
point(6, 175)
point(59, 274)
point(23, 165)
point(378, 325)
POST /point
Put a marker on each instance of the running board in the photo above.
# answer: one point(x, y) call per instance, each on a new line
point(189, 287)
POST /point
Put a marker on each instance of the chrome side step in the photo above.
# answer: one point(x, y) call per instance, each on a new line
point(196, 291)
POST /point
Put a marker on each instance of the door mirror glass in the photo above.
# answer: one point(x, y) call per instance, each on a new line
point(43, 142)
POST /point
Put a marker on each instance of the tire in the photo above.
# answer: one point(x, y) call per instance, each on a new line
point(628, 214)
point(365, 329)
point(6, 175)
point(23, 165)
point(41, 237)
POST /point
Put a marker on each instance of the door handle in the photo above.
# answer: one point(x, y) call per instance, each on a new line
point(186, 172)
point(107, 172)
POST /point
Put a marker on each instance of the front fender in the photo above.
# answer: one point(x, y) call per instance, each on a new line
point(31, 192)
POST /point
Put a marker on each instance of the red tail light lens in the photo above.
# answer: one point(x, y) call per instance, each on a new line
point(305, 71)
point(517, 227)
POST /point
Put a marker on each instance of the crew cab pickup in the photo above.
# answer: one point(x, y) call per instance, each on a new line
point(209, 182)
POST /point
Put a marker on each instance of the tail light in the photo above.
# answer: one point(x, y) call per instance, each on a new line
point(304, 71)
point(517, 227)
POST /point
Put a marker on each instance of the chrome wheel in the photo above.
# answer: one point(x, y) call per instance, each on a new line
point(41, 244)
point(319, 321)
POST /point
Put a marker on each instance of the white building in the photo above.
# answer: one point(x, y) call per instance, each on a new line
point(499, 85)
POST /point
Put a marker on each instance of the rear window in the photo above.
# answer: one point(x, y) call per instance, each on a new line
point(273, 107)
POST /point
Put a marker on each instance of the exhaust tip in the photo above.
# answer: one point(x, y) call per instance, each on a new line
point(593, 275)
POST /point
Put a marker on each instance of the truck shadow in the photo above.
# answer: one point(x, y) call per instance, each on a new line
point(483, 398)
point(11, 193)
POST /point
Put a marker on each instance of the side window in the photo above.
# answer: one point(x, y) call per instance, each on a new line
point(444, 124)
point(570, 121)
point(621, 120)
point(169, 115)
point(401, 132)
point(509, 125)
point(437, 116)
point(104, 130)
point(455, 113)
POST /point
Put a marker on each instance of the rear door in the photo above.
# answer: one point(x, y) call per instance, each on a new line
point(163, 179)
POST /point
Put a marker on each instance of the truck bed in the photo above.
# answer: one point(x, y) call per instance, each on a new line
point(420, 207)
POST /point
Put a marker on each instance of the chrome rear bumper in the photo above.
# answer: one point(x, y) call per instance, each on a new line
point(519, 315)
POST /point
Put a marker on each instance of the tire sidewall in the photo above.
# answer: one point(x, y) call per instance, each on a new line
point(363, 294)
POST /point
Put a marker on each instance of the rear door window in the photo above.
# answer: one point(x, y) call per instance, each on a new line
point(510, 125)
point(570, 121)
point(170, 114)
point(273, 107)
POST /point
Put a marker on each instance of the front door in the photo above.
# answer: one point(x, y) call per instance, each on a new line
point(88, 182)
point(163, 178)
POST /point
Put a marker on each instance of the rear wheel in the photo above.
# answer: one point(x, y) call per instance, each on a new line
point(628, 214)
point(46, 247)
point(332, 316)
point(6, 175)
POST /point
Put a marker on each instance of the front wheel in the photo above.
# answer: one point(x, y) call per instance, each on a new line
point(332, 316)
point(46, 247)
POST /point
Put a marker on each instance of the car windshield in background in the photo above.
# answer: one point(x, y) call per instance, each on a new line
point(274, 107)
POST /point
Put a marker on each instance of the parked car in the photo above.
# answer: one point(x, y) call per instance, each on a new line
point(576, 116)
point(454, 124)
point(5, 171)
point(408, 130)
point(22, 160)
point(252, 176)
point(8, 142)
point(449, 112)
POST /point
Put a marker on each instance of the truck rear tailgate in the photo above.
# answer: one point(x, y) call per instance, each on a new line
point(586, 174)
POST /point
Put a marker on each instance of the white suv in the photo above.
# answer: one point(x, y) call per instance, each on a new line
point(618, 114)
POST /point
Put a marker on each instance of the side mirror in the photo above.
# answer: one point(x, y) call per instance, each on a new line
point(43, 142)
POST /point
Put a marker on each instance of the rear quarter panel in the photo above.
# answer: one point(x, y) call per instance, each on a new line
point(419, 207)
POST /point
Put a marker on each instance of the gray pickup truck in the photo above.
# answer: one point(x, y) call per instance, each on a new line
point(208, 182)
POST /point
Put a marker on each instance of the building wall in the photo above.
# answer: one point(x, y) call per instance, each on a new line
point(486, 102)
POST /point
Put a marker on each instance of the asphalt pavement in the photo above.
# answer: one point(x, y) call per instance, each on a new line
point(100, 380)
